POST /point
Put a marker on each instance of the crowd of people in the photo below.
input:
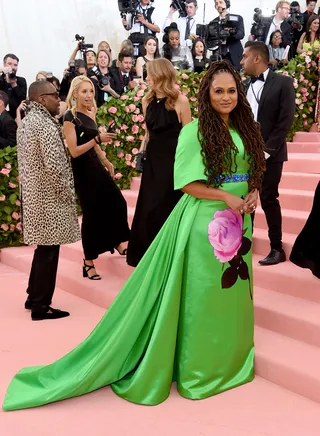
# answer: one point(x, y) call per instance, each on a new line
point(186, 312)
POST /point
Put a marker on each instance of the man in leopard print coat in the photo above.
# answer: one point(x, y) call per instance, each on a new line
point(49, 215)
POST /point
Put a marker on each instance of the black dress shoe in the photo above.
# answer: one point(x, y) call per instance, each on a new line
point(28, 304)
point(51, 314)
point(273, 258)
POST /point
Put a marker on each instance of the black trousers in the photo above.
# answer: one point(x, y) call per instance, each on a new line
point(42, 279)
point(270, 204)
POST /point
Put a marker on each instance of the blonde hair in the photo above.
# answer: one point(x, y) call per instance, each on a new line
point(164, 79)
point(43, 73)
point(280, 4)
point(75, 85)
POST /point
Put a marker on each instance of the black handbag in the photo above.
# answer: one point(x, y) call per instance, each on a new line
point(140, 158)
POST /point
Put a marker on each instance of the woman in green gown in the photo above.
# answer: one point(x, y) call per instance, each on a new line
point(186, 312)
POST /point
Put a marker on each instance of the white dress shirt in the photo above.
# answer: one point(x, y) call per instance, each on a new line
point(139, 27)
point(275, 25)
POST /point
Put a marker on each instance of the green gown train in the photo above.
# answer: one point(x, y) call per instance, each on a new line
point(182, 316)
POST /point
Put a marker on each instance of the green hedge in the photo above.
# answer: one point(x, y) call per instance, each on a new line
point(127, 113)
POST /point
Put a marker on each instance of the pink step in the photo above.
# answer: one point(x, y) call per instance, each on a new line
point(306, 137)
point(135, 183)
point(300, 181)
point(296, 199)
point(304, 147)
point(261, 243)
point(286, 278)
point(289, 316)
point(131, 197)
point(292, 220)
point(291, 364)
point(303, 162)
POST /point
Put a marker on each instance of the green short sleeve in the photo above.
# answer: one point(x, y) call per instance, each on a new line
point(188, 166)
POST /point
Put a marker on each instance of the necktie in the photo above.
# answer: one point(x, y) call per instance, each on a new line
point(125, 79)
point(255, 78)
point(187, 35)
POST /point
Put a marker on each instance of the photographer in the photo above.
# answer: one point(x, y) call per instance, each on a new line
point(232, 50)
point(121, 77)
point(15, 87)
point(186, 24)
point(277, 51)
point(8, 127)
point(101, 78)
point(278, 22)
point(296, 20)
point(311, 5)
point(143, 26)
point(76, 68)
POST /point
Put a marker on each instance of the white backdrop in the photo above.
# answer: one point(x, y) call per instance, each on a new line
point(41, 32)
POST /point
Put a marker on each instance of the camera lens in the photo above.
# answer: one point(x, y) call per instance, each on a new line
point(12, 75)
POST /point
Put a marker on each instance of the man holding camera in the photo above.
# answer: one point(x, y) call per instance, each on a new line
point(311, 5)
point(278, 22)
point(15, 87)
point(232, 50)
point(186, 25)
point(121, 77)
point(8, 126)
point(142, 27)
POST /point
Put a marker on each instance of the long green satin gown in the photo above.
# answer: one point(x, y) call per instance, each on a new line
point(182, 316)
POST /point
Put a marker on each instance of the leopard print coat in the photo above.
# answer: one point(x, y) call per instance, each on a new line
point(49, 215)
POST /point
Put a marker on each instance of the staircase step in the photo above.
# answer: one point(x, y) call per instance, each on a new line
point(292, 220)
point(289, 316)
point(301, 181)
point(261, 243)
point(288, 279)
point(296, 199)
point(304, 147)
point(131, 197)
point(289, 363)
point(303, 162)
point(306, 137)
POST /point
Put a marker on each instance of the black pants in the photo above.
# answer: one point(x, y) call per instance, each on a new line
point(42, 279)
point(270, 204)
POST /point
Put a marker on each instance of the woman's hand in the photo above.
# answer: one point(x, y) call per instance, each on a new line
point(251, 201)
point(107, 137)
point(109, 167)
point(22, 106)
point(236, 203)
point(106, 88)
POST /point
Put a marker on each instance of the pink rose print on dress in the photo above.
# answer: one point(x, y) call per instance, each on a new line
point(229, 244)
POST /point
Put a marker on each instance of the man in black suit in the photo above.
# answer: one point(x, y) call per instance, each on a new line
point(122, 77)
point(272, 99)
point(311, 5)
point(233, 49)
point(8, 127)
point(15, 87)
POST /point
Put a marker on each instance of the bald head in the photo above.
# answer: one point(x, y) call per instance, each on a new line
point(40, 87)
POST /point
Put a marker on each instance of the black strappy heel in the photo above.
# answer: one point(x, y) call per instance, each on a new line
point(86, 268)
point(123, 253)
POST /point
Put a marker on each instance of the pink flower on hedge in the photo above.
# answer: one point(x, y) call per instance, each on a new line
point(118, 176)
point(140, 93)
point(2, 198)
point(120, 155)
point(177, 86)
point(305, 123)
point(8, 166)
point(19, 227)
point(310, 109)
point(225, 234)
point(313, 88)
point(132, 107)
point(133, 164)
point(124, 127)
point(144, 126)
point(184, 76)
point(135, 118)
point(141, 137)
point(143, 86)
point(12, 185)
point(116, 144)
point(5, 172)
point(305, 81)
point(124, 97)
point(126, 109)
point(137, 111)
point(136, 99)
point(304, 90)
point(128, 162)
point(193, 99)
point(304, 99)
point(135, 129)
point(295, 85)
point(128, 156)
point(18, 203)
point(285, 73)
point(15, 215)
point(130, 138)
point(140, 118)
point(134, 151)
point(112, 110)
point(5, 227)
point(304, 116)
point(12, 227)
point(301, 106)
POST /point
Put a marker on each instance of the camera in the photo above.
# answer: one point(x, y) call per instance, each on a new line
point(129, 10)
point(296, 17)
point(82, 46)
point(258, 25)
point(180, 6)
point(12, 75)
point(103, 80)
point(216, 34)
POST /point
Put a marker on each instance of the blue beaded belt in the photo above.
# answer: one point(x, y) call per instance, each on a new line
point(234, 178)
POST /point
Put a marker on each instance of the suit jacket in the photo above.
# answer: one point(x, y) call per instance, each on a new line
point(116, 80)
point(286, 30)
point(8, 130)
point(16, 95)
point(234, 42)
point(276, 113)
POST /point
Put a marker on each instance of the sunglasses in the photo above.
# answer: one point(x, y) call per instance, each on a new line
point(277, 37)
point(56, 94)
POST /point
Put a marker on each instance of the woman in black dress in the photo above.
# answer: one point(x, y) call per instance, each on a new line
point(166, 111)
point(104, 220)
point(199, 55)
point(151, 47)
point(306, 252)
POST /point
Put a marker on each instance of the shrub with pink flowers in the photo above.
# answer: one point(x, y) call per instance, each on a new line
point(126, 112)
point(10, 224)
point(304, 71)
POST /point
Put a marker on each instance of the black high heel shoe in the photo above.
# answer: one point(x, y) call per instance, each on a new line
point(122, 253)
point(86, 268)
